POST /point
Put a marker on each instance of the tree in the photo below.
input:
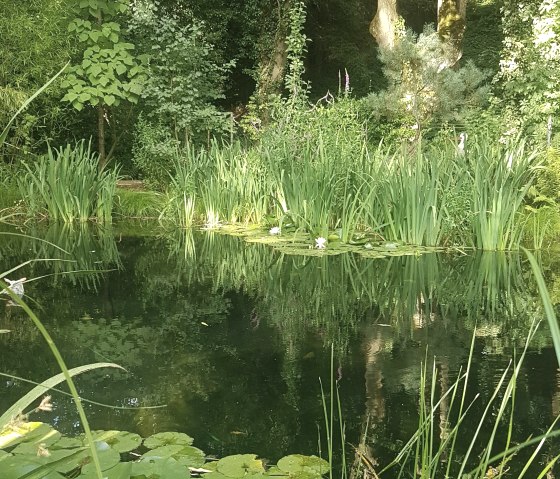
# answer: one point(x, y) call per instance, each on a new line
point(386, 24)
point(421, 92)
point(452, 16)
point(529, 76)
point(108, 71)
point(186, 76)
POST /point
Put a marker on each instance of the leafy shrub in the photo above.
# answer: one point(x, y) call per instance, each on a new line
point(185, 74)
point(154, 153)
point(422, 91)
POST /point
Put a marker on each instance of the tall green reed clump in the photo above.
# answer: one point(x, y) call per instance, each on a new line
point(235, 188)
point(67, 185)
point(499, 178)
point(180, 201)
point(224, 183)
point(312, 162)
point(409, 204)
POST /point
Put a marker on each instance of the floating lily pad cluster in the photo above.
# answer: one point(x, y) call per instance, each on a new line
point(303, 244)
point(35, 450)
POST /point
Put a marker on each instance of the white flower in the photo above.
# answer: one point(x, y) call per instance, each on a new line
point(275, 230)
point(320, 243)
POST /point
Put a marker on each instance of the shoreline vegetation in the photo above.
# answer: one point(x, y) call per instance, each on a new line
point(324, 195)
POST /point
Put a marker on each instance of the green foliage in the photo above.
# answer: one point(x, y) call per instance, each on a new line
point(528, 81)
point(66, 185)
point(422, 91)
point(108, 71)
point(154, 153)
point(548, 180)
point(296, 48)
point(34, 46)
point(137, 204)
point(185, 75)
point(166, 455)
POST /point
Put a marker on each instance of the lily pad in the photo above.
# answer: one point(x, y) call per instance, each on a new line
point(120, 441)
point(67, 443)
point(240, 465)
point(122, 470)
point(108, 458)
point(298, 463)
point(168, 438)
point(185, 455)
point(167, 468)
point(66, 459)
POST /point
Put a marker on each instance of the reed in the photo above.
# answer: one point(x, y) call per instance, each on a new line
point(67, 186)
point(433, 450)
point(500, 177)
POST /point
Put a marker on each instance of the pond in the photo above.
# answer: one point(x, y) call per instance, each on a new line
point(233, 340)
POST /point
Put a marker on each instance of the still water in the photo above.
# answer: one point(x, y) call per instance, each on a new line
point(235, 339)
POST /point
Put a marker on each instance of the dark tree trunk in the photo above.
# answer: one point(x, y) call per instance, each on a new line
point(273, 63)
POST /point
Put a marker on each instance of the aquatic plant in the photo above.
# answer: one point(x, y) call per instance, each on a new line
point(500, 177)
point(67, 185)
point(433, 449)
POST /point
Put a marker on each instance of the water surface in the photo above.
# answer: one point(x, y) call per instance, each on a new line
point(234, 338)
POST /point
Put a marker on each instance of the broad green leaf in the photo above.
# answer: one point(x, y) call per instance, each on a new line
point(167, 468)
point(66, 442)
point(297, 463)
point(108, 458)
point(42, 388)
point(120, 441)
point(240, 465)
point(32, 432)
point(186, 455)
point(17, 467)
point(168, 438)
point(122, 470)
point(70, 96)
point(43, 434)
point(109, 99)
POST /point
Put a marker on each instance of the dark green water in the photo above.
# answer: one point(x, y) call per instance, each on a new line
point(233, 337)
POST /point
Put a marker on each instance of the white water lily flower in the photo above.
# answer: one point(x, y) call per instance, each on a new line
point(275, 230)
point(320, 243)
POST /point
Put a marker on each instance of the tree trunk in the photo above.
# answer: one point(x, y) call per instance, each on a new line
point(273, 63)
point(101, 135)
point(384, 25)
point(452, 15)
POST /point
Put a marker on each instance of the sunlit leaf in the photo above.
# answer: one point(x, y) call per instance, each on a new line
point(240, 465)
point(168, 438)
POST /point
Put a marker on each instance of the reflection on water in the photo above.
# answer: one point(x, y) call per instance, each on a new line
point(234, 337)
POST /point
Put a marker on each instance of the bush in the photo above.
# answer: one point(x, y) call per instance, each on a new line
point(155, 153)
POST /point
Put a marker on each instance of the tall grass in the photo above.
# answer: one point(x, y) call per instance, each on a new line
point(500, 178)
point(329, 179)
point(67, 186)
